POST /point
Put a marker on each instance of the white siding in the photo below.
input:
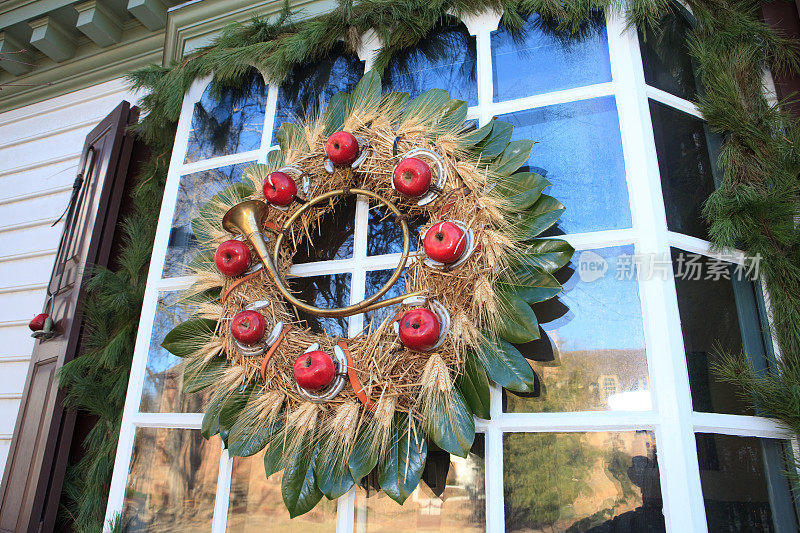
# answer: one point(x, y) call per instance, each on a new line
point(39, 149)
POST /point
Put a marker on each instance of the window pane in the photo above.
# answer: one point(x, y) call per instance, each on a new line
point(325, 292)
point(450, 497)
point(308, 87)
point(445, 59)
point(591, 354)
point(333, 238)
point(717, 315)
point(162, 391)
point(230, 123)
point(665, 54)
point(580, 151)
point(375, 280)
point(193, 192)
point(744, 487)
point(541, 59)
point(385, 236)
point(172, 481)
point(256, 504)
point(688, 173)
point(581, 482)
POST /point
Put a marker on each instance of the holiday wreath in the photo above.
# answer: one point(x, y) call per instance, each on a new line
point(329, 410)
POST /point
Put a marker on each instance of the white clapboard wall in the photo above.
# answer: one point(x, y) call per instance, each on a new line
point(40, 146)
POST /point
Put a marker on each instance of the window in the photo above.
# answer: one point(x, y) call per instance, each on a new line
point(628, 431)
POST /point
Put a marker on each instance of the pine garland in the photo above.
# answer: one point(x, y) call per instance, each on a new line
point(96, 382)
point(753, 210)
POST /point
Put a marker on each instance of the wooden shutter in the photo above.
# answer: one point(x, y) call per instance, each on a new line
point(37, 458)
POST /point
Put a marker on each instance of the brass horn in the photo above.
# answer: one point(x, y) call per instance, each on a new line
point(247, 219)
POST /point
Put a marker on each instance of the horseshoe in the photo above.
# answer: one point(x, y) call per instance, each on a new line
point(271, 351)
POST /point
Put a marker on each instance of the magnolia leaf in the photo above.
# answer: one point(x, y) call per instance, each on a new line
point(291, 137)
point(335, 115)
point(249, 435)
point(421, 107)
point(210, 424)
point(401, 470)
point(202, 260)
point(395, 100)
point(454, 116)
point(506, 366)
point(275, 456)
point(518, 323)
point(521, 190)
point(472, 138)
point(333, 475)
point(230, 412)
point(275, 160)
point(531, 285)
point(474, 386)
point(494, 144)
point(543, 214)
point(514, 156)
point(450, 424)
point(299, 485)
point(364, 456)
point(546, 254)
point(200, 374)
point(366, 97)
point(187, 337)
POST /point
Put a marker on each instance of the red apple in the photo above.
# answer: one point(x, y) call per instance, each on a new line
point(342, 148)
point(232, 257)
point(279, 189)
point(314, 370)
point(412, 177)
point(248, 327)
point(444, 242)
point(37, 324)
point(419, 329)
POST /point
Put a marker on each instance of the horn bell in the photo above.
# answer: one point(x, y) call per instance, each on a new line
point(246, 218)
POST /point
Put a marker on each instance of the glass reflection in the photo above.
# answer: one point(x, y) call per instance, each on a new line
point(325, 292)
point(230, 122)
point(256, 503)
point(385, 236)
point(580, 151)
point(665, 53)
point(445, 59)
point(591, 354)
point(717, 316)
point(687, 153)
point(308, 87)
point(450, 498)
point(172, 481)
point(375, 280)
point(581, 482)
point(334, 236)
point(541, 58)
point(194, 191)
point(162, 391)
point(744, 488)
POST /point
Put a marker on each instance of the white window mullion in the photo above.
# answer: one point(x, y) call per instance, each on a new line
point(493, 464)
point(220, 521)
point(482, 26)
point(677, 453)
point(127, 431)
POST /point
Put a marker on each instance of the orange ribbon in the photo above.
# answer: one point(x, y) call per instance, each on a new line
point(354, 382)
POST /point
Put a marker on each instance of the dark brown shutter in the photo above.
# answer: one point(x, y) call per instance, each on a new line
point(36, 462)
point(785, 18)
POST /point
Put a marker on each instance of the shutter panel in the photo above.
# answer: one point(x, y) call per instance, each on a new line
point(37, 458)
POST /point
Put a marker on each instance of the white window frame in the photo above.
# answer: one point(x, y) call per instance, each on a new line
point(671, 419)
